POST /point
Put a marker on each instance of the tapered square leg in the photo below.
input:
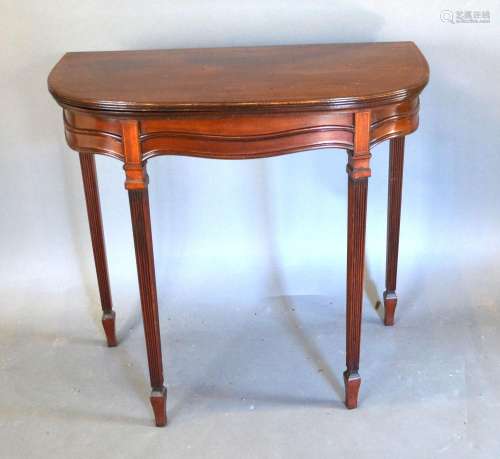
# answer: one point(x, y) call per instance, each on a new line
point(141, 224)
point(358, 169)
point(396, 158)
point(136, 183)
point(91, 189)
point(355, 271)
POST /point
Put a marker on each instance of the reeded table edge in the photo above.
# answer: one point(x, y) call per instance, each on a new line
point(333, 104)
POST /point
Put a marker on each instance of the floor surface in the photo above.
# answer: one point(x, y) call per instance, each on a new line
point(260, 379)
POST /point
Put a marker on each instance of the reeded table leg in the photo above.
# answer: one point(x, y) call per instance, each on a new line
point(358, 169)
point(355, 271)
point(396, 158)
point(137, 185)
point(139, 208)
point(90, 185)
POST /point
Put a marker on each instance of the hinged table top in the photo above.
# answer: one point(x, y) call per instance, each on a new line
point(355, 75)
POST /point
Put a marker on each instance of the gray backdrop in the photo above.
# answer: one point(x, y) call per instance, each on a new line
point(234, 233)
point(289, 210)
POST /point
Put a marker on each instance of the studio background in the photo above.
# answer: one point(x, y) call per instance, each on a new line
point(241, 245)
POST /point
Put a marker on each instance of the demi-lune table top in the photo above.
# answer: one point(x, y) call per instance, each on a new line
point(351, 76)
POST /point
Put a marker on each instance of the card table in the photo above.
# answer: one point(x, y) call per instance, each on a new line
point(241, 103)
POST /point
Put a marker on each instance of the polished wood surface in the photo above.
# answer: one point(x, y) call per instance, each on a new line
point(242, 103)
point(143, 242)
point(358, 170)
point(234, 136)
point(353, 75)
point(395, 188)
point(91, 189)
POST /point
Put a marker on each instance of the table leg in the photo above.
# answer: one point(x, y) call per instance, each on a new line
point(358, 169)
point(141, 223)
point(355, 272)
point(396, 157)
point(91, 189)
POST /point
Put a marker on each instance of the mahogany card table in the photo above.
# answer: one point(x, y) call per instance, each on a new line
point(241, 103)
